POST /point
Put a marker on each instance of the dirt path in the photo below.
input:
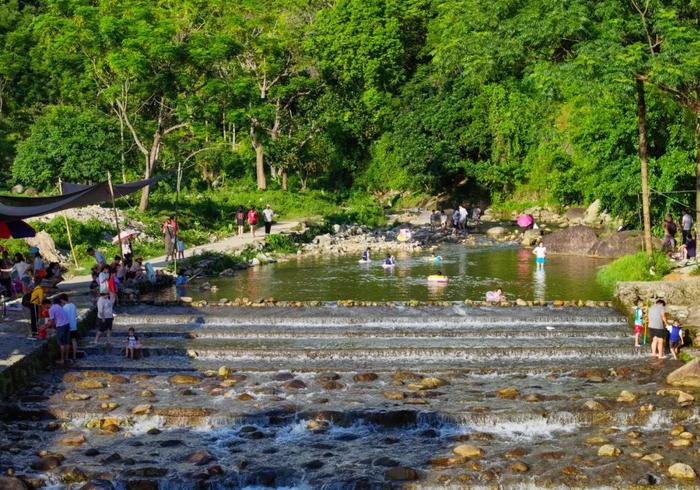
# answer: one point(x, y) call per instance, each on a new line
point(228, 244)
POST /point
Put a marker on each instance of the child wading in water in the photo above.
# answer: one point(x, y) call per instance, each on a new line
point(638, 322)
point(676, 337)
point(132, 344)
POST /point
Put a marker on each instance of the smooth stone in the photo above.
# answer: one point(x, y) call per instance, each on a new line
point(365, 377)
point(519, 467)
point(76, 396)
point(508, 393)
point(72, 440)
point(468, 451)
point(433, 383)
point(200, 458)
point(295, 384)
point(12, 483)
point(394, 395)
point(142, 409)
point(245, 397)
point(90, 384)
point(681, 443)
point(626, 397)
point(609, 450)
point(681, 471)
point(400, 473)
point(652, 458)
point(184, 379)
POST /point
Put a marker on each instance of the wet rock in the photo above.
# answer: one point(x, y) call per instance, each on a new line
point(72, 440)
point(147, 394)
point(327, 377)
point(681, 443)
point(685, 399)
point(686, 375)
point(686, 435)
point(597, 441)
point(515, 453)
point(283, 376)
point(141, 485)
point(626, 397)
point(534, 397)
point(108, 407)
point(609, 450)
point(681, 471)
point(200, 458)
point(385, 461)
point(519, 467)
point(318, 425)
point(71, 396)
point(508, 393)
point(72, 378)
point(153, 431)
point(143, 409)
point(98, 485)
point(224, 372)
point(552, 455)
point(365, 377)
point(46, 463)
point(73, 475)
point(246, 397)
point(401, 377)
point(295, 384)
point(90, 384)
point(112, 458)
point(394, 395)
point(146, 472)
point(400, 473)
point(314, 464)
point(468, 451)
point(187, 392)
point(677, 430)
point(333, 385)
point(652, 458)
point(118, 379)
point(215, 470)
point(12, 483)
point(171, 443)
point(92, 452)
point(432, 383)
point(184, 379)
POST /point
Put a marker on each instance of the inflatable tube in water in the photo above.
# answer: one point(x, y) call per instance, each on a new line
point(363, 261)
point(436, 278)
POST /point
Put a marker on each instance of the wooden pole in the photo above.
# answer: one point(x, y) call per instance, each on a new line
point(65, 221)
point(116, 215)
point(642, 127)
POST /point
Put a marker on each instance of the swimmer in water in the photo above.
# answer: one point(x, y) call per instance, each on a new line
point(437, 258)
point(390, 260)
point(365, 255)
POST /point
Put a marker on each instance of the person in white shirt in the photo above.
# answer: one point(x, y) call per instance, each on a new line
point(462, 217)
point(686, 225)
point(72, 313)
point(267, 218)
point(105, 318)
point(540, 252)
point(103, 279)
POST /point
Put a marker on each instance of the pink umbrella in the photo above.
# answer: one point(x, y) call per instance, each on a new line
point(525, 220)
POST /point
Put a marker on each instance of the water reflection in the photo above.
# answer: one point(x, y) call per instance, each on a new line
point(471, 273)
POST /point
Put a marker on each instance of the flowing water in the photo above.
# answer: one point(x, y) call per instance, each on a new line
point(339, 397)
point(471, 272)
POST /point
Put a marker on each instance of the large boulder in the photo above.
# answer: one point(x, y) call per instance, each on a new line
point(575, 240)
point(592, 215)
point(619, 244)
point(575, 215)
point(531, 237)
point(496, 232)
point(686, 375)
point(46, 246)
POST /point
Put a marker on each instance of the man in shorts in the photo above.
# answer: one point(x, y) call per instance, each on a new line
point(105, 318)
point(657, 328)
point(59, 319)
point(72, 313)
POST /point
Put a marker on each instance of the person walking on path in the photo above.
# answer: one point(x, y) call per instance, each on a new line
point(657, 328)
point(670, 229)
point(686, 225)
point(240, 220)
point(72, 314)
point(267, 218)
point(59, 320)
point(170, 230)
point(252, 220)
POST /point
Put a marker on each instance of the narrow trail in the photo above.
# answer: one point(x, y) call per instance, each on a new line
point(227, 244)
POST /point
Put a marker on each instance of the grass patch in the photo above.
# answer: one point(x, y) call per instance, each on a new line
point(637, 267)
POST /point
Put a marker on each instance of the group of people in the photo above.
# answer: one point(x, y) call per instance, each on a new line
point(660, 327)
point(19, 274)
point(252, 218)
point(688, 246)
point(457, 219)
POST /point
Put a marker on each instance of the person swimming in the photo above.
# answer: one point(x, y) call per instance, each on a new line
point(437, 258)
point(389, 260)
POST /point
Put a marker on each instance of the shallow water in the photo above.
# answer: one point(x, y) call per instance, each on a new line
point(471, 272)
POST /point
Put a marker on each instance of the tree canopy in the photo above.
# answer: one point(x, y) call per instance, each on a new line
point(529, 100)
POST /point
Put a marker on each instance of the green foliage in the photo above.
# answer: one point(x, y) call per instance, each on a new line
point(217, 262)
point(67, 143)
point(637, 267)
point(281, 243)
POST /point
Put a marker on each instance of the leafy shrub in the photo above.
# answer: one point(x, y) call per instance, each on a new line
point(282, 243)
point(637, 267)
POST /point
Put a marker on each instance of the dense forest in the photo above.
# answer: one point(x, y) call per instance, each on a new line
point(508, 100)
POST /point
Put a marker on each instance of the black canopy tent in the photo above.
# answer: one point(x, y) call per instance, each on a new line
point(15, 208)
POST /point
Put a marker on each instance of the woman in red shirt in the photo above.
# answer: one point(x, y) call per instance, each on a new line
point(252, 220)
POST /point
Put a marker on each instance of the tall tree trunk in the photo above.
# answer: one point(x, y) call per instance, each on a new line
point(284, 179)
point(642, 125)
point(697, 177)
point(259, 158)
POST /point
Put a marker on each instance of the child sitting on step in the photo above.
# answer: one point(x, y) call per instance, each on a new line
point(133, 345)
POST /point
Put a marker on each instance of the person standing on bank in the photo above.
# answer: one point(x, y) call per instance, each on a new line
point(240, 220)
point(169, 234)
point(267, 218)
point(657, 328)
point(252, 220)
point(686, 225)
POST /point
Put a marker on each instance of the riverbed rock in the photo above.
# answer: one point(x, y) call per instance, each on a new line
point(200, 458)
point(98, 485)
point(686, 375)
point(90, 384)
point(594, 405)
point(400, 473)
point(224, 372)
point(71, 396)
point(468, 451)
point(143, 409)
point(73, 474)
point(609, 450)
point(685, 399)
point(147, 394)
point(295, 384)
point(652, 458)
point(531, 237)
point(365, 377)
point(394, 395)
point(184, 379)
point(519, 467)
point(496, 232)
point(509, 393)
point(626, 397)
point(432, 383)
point(12, 483)
point(72, 440)
point(681, 443)
point(681, 471)
point(47, 463)
point(245, 397)
point(618, 244)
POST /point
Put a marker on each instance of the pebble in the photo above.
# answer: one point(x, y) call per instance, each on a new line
point(609, 450)
point(597, 441)
point(652, 458)
point(295, 384)
point(143, 409)
point(519, 467)
point(400, 473)
point(394, 395)
point(184, 379)
point(72, 440)
point(593, 405)
point(365, 377)
point(626, 397)
point(468, 451)
point(508, 393)
point(681, 443)
point(245, 397)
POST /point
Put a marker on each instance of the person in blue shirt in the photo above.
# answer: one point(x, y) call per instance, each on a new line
point(365, 255)
point(676, 337)
point(390, 260)
point(180, 283)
